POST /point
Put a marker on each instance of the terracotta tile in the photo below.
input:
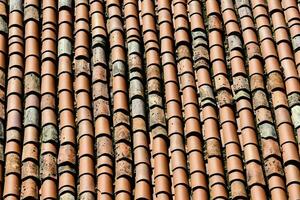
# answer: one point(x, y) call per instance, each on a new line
point(66, 159)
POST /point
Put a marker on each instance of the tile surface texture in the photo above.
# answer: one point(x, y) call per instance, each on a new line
point(149, 99)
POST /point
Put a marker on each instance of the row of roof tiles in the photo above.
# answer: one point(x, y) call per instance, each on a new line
point(141, 99)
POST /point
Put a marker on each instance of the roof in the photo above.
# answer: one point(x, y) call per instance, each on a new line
point(142, 99)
